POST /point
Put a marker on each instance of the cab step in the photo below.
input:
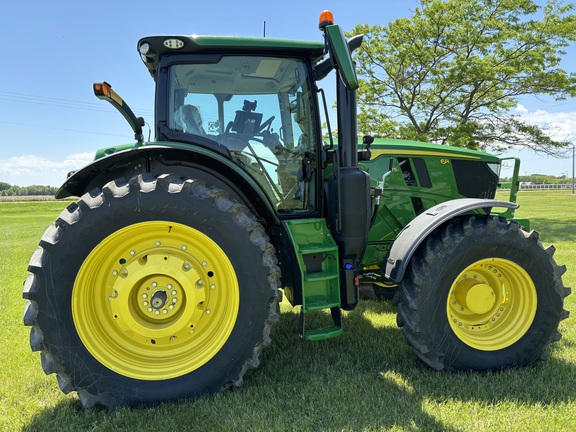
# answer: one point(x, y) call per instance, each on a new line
point(322, 332)
point(317, 255)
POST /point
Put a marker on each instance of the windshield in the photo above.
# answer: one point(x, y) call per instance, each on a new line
point(259, 108)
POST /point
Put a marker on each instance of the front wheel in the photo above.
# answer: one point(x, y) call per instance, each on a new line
point(151, 290)
point(481, 294)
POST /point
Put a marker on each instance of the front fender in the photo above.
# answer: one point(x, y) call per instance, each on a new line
point(421, 226)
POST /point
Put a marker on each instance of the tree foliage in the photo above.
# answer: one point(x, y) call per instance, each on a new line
point(7, 189)
point(453, 72)
point(542, 179)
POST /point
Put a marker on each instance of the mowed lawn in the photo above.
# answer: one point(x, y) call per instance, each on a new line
point(368, 379)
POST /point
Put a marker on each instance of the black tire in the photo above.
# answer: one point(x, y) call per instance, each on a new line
point(62, 270)
point(454, 319)
point(372, 291)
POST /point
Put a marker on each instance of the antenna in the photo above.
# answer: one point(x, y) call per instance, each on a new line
point(264, 28)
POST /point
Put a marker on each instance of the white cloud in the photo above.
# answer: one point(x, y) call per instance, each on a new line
point(520, 109)
point(560, 126)
point(79, 159)
point(31, 169)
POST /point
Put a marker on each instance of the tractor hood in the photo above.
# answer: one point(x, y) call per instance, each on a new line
point(382, 146)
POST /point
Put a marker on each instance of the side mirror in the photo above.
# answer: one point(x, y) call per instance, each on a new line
point(367, 140)
point(365, 154)
point(103, 90)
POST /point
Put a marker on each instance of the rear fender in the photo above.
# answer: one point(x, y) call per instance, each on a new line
point(184, 161)
point(421, 226)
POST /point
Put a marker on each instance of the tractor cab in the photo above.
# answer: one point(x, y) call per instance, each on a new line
point(253, 100)
point(257, 109)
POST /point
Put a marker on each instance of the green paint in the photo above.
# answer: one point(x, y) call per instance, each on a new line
point(317, 256)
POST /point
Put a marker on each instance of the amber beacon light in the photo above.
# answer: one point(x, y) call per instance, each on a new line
point(326, 19)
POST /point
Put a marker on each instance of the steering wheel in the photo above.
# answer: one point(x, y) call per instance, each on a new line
point(266, 124)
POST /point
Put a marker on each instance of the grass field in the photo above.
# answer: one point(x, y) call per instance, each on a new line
point(368, 379)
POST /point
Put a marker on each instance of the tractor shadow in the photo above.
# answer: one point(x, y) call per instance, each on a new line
point(368, 378)
point(388, 384)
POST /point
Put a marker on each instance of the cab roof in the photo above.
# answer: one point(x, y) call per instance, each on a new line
point(153, 48)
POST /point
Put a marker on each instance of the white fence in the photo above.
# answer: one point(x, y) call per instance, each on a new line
point(545, 186)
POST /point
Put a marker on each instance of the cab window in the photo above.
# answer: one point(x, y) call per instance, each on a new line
point(260, 108)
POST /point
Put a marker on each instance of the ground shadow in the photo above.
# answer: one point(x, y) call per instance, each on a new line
point(553, 230)
point(304, 385)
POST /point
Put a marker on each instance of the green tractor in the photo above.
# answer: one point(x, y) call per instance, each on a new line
point(163, 280)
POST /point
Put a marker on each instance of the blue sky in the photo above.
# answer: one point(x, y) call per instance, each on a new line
point(50, 121)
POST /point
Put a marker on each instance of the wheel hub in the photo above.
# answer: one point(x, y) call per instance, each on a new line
point(480, 299)
point(159, 299)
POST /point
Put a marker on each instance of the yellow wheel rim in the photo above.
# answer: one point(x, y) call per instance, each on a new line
point(491, 304)
point(155, 300)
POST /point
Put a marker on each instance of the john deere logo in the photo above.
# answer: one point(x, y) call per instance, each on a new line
point(444, 161)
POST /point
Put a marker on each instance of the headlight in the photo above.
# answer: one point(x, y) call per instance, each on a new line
point(173, 43)
point(143, 50)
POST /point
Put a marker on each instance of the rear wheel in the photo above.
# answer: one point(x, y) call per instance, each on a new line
point(481, 294)
point(151, 290)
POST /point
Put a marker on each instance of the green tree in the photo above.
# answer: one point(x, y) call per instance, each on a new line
point(453, 71)
point(27, 190)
